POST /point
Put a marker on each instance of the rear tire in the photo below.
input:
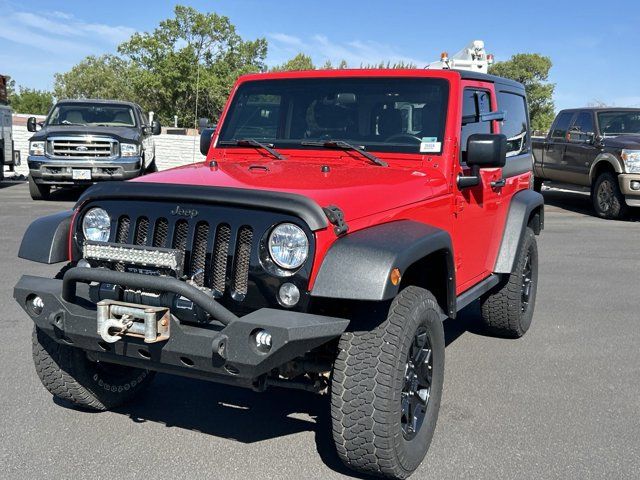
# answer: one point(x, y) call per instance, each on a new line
point(67, 373)
point(386, 388)
point(508, 309)
point(608, 201)
point(38, 192)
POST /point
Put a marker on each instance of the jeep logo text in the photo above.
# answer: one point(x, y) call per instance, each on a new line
point(184, 212)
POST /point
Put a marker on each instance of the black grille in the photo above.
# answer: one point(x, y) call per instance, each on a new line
point(216, 256)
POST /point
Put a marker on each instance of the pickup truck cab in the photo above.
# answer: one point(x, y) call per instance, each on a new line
point(339, 217)
point(598, 148)
point(82, 142)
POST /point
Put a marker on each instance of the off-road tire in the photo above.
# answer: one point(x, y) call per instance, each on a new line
point(504, 310)
point(68, 374)
point(612, 206)
point(38, 192)
point(367, 384)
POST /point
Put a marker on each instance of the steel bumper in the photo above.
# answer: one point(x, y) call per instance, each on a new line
point(631, 197)
point(46, 170)
point(215, 351)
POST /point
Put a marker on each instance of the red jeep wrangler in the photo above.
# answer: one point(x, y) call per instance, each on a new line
point(339, 218)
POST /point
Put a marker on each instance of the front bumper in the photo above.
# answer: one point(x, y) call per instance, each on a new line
point(212, 351)
point(51, 171)
point(631, 196)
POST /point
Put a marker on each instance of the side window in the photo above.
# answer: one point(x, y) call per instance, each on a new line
point(474, 103)
point(561, 126)
point(143, 118)
point(515, 124)
point(581, 127)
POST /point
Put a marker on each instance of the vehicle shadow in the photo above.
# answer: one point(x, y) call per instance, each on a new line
point(578, 202)
point(246, 416)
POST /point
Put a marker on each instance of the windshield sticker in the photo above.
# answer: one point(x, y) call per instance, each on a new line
point(430, 144)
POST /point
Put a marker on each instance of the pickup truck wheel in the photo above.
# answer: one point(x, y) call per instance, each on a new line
point(38, 192)
point(67, 373)
point(508, 309)
point(607, 198)
point(386, 388)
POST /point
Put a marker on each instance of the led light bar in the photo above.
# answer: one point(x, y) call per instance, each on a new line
point(134, 255)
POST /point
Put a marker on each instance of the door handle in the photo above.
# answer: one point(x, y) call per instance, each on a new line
point(498, 183)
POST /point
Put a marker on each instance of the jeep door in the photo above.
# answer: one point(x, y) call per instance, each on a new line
point(476, 208)
point(580, 151)
point(555, 146)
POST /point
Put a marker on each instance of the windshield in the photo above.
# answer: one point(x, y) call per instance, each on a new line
point(619, 123)
point(94, 115)
point(382, 114)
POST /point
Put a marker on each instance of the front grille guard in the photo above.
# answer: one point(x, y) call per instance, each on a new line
point(165, 284)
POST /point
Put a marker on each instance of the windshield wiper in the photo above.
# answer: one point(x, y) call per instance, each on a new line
point(252, 142)
point(341, 144)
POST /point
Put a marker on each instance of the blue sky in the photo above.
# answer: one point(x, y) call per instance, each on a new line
point(593, 44)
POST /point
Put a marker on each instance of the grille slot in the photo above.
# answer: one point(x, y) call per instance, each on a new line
point(220, 257)
point(160, 233)
point(122, 234)
point(180, 235)
point(242, 257)
point(142, 231)
point(82, 147)
point(199, 253)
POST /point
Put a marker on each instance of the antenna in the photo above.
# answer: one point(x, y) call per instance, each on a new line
point(195, 120)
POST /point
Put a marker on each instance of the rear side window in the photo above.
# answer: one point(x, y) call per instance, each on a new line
point(515, 124)
point(474, 103)
point(561, 126)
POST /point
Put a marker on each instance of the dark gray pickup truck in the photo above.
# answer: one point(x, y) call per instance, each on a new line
point(87, 141)
point(597, 148)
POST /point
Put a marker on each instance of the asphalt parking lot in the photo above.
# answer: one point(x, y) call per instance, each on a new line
point(562, 402)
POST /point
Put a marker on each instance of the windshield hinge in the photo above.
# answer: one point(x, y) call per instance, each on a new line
point(336, 217)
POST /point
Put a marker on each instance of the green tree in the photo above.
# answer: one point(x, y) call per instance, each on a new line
point(107, 76)
point(532, 70)
point(299, 62)
point(191, 56)
point(29, 100)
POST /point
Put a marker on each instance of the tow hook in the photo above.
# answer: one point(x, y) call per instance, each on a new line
point(118, 319)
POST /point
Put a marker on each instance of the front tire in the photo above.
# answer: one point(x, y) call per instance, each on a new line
point(386, 388)
point(608, 201)
point(38, 192)
point(67, 373)
point(508, 309)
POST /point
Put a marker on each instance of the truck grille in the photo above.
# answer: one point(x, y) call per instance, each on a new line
point(216, 256)
point(82, 147)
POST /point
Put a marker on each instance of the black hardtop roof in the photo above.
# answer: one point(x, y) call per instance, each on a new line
point(98, 101)
point(485, 77)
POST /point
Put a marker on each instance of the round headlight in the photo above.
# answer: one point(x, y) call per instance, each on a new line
point(288, 246)
point(96, 225)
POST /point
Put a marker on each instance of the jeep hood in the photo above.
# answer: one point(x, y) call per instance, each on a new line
point(122, 134)
point(359, 190)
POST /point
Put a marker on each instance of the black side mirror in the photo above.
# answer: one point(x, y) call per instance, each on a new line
point(205, 140)
point(484, 150)
point(487, 150)
point(31, 124)
point(156, 128)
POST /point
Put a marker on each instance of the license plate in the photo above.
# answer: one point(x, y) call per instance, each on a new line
point(81, 174)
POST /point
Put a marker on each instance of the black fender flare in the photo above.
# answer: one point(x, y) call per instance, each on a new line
point(47, 239)
point(358, 266)
point(523, 204)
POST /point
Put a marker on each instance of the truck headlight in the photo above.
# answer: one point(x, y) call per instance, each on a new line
point(96, 225)
point(36, 148)
point(129, 150)
point(288, 246)
point(631, 159)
